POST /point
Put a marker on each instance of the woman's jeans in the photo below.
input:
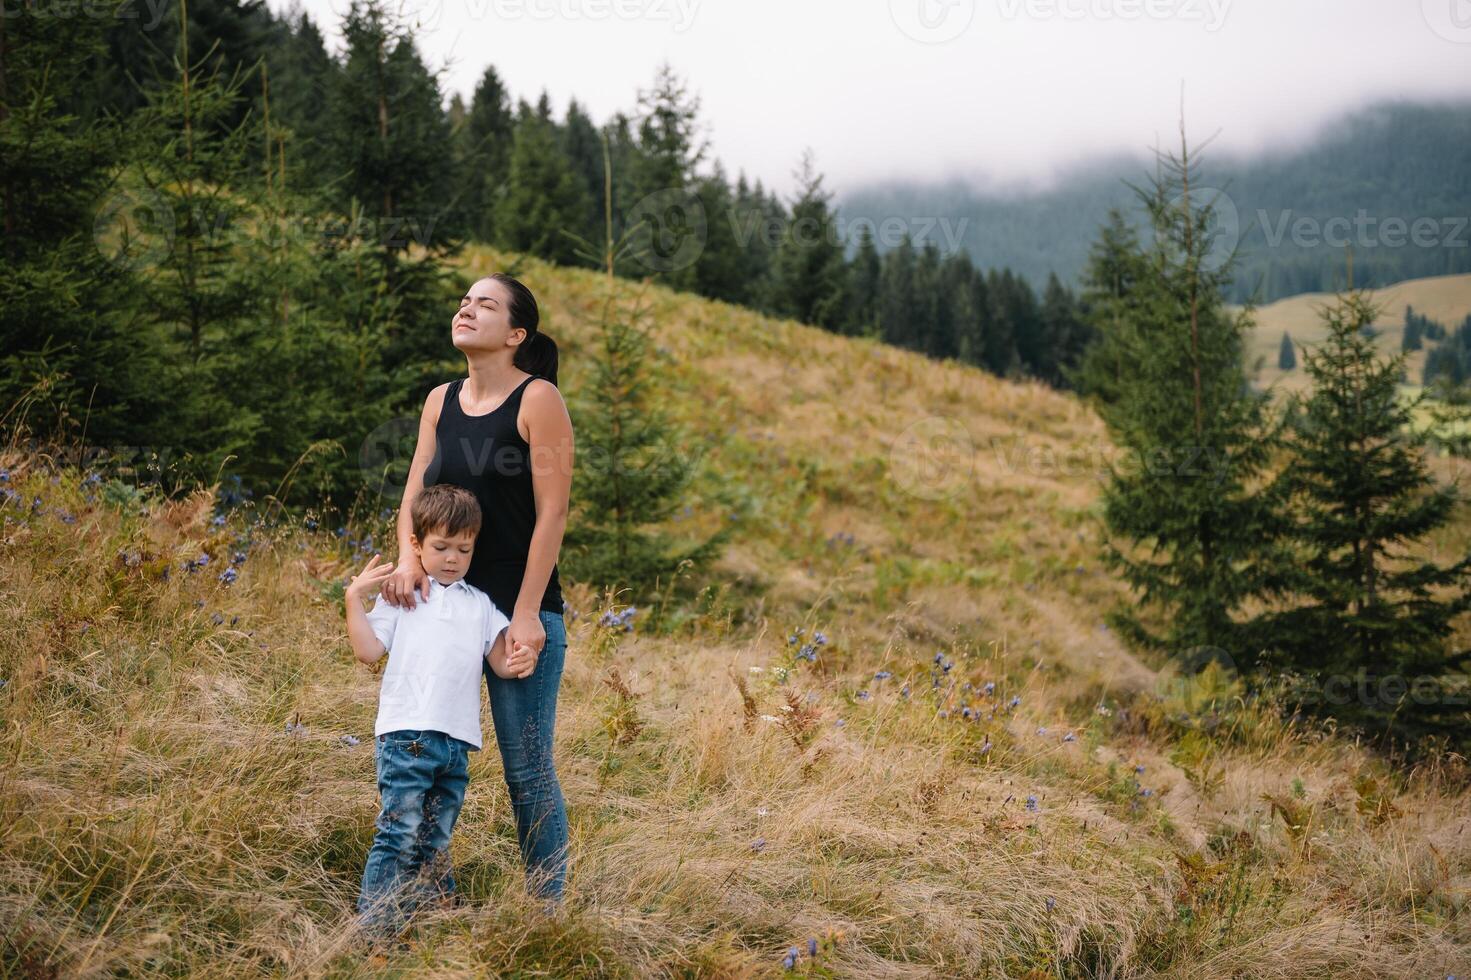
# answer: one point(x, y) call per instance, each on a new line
point(525, 712)
point(421, 777)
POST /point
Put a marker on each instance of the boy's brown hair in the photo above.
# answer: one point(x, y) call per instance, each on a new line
point(445, 509)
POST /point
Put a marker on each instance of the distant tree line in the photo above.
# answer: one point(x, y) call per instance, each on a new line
point(369, 128)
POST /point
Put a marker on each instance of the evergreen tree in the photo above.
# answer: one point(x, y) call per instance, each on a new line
point(1110, 294)
point(1065, 335)
point(720, 270)
point(1362, 494)
point(897, 299)
point(929, 301)
point(76, 351)
point(1197, 442)
point(863, 283)
point(1005, 307)
point(583, 145)
point(808, 268)
point(1286, 356)
point(484, 142)
point(674, 225)
point(635, 468)
point(972, 317)
point(546, 203)
point(388, 131)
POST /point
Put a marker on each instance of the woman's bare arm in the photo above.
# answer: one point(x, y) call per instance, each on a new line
point(409, 576)
point(549, 431)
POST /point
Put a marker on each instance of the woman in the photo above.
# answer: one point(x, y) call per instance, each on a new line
point(504, 434)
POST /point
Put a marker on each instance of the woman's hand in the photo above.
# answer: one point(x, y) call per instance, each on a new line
point(408, 578)
point(526, 629)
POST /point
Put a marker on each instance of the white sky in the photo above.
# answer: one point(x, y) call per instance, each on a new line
point(989, 91)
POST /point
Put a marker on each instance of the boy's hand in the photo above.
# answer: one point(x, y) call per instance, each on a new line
point(370, 579)
point(522, 660)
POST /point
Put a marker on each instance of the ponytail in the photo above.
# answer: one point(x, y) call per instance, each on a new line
point(538, 353)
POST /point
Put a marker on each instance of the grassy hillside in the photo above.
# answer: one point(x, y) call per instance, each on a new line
point(1446, 299)
point(971, 779)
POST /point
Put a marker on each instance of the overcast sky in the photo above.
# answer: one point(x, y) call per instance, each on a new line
point(995, 92)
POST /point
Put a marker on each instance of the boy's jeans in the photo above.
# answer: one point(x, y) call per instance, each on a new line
point(525, 712)
point(421, 777)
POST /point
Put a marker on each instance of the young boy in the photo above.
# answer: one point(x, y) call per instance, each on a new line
point(428, 704)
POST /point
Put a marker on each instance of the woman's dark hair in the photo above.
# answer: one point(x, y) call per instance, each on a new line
point(537, 354)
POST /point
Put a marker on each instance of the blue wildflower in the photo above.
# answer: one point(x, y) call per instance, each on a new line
point(237, 558)
point(1070, 737)
point(229, 575)
point(1051, 903)
point(219, 520)
point(882, 675)
point(758, 844)
point(789, 961)
point(350, 740)
point(989, 687)
point(217, 618)
point(1032, 803)
point(812, 948)
point(311, 524)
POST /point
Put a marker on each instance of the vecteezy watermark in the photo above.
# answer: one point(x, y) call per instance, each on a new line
point(679, 13)
point(1221, 226)
point(95, 9)
point(134, 229)
point(1375, 690)
point(1102, 460)
point(386, 453)
point(932, 21)
point(1210, 13)
point(674, 230)
point(887, 232)
point(1450, 19)
point(932, 458)
point(1363, 230)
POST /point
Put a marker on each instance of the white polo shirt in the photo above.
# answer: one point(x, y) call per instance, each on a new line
point(435, 652)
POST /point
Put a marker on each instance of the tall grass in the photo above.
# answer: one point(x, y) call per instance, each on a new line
point(182, 793)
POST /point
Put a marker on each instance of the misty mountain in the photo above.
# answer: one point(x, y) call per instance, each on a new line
point(1393, 180)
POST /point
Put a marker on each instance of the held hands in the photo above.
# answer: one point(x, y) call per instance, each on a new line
point(521, 661)
point(370, 579)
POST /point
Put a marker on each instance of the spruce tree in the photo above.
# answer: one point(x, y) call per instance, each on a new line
point(808, 267)
point(1110, 294)
point(1188, 527)
point(897, 297)
point(635, 467)
point(483, 144)
point(1372, 638)
point(863, 287)
point(1065, 334)
point(77, 352)
point(546, 203)
point(1286, 356)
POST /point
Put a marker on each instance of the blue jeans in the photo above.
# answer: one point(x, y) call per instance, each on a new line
point(421, 777)
point(525, 713)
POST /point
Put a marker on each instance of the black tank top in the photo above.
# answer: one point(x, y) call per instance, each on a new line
point(486, 455)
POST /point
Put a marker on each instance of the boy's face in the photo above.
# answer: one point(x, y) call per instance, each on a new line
point(445, 558)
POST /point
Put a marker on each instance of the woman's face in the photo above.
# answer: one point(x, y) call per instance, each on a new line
point(483, 321)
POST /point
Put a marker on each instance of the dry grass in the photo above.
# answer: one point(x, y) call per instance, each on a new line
point(727, 799)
